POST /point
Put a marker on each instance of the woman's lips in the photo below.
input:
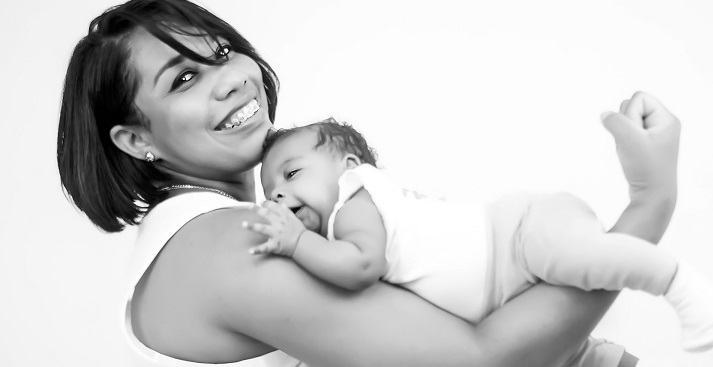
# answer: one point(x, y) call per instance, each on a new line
point(240, 116)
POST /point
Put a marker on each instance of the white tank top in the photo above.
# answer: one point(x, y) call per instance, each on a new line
point(438, 249)
point(156, 228)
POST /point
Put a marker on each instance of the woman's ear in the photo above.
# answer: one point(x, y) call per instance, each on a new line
point(351, 160)
point(133, 140)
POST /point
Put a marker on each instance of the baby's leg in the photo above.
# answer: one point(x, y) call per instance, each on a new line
point(563, 243)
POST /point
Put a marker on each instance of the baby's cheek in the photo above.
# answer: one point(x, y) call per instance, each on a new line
point(310, 219)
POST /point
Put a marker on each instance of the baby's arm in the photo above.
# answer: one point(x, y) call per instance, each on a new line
point(354, 261)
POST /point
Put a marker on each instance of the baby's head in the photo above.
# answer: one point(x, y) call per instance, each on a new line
point(301, 167)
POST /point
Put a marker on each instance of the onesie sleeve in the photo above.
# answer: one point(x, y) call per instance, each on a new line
point(349, 183)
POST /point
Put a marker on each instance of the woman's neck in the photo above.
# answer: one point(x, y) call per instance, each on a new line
point(242, 188)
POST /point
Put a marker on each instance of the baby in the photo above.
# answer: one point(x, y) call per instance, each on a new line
point(343, 220)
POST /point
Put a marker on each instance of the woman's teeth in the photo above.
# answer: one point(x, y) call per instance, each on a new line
point(241, 115)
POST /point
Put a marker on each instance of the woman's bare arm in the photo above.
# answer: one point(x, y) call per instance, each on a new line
point(647, 138)
point(272, 300)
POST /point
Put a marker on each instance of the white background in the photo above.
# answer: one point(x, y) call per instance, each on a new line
point(467, 99)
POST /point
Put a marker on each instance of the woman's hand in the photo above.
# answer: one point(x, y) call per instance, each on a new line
point(283, 230)
point(647, 138)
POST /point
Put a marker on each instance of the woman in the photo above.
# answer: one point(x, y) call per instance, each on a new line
point(164, 111)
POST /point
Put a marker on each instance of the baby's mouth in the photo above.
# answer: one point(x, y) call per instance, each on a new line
point(240, 116)
point(307, 217)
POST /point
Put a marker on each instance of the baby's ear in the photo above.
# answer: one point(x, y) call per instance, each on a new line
point(351, 161)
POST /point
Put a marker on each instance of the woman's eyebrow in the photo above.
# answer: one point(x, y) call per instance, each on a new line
point(171, 63)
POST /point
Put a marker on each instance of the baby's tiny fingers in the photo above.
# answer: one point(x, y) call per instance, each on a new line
point(263, 211)
point(270, 215)
point(259, 228)
point(250, 226)
point(283, 211)
point(279, 209)
point(268, 247)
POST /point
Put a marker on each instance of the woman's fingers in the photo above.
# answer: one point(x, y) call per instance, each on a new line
point(642, 114)
point(619, 125)
point(624, 105)
point(633, 108)
point(646, 109)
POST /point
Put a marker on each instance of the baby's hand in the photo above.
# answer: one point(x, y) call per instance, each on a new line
point(283, 230)
point(647, 137)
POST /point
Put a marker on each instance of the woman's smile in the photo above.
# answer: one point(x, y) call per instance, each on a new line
point(238, 117)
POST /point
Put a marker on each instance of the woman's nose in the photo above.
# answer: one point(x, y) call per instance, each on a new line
point(228, 82)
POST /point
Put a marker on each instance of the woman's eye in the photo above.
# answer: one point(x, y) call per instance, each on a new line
point(222, 52)
point(292, 173)
point(182, 79)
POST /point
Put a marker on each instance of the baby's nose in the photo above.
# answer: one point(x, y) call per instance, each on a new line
point(277, 196)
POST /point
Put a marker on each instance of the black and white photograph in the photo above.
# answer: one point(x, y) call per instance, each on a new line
point(333, 183)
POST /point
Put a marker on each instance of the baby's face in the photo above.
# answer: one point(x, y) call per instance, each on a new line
point(304, 178)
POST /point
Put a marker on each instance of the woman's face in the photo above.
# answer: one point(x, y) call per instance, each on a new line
point(206, 121)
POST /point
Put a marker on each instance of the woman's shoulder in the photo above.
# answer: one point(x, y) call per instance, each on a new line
point(219, 231)
point(217, 237)
point(191, 228)
point(191, 273)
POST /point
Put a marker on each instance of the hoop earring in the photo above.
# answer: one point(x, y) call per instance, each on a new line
point(150, 157)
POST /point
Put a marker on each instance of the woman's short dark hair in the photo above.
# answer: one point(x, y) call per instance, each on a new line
point(338, 136)
point(111, 187)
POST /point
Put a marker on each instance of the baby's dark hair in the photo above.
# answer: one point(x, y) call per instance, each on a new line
point(339, 136)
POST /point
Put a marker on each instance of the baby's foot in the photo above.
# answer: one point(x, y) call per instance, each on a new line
point(691, 295)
